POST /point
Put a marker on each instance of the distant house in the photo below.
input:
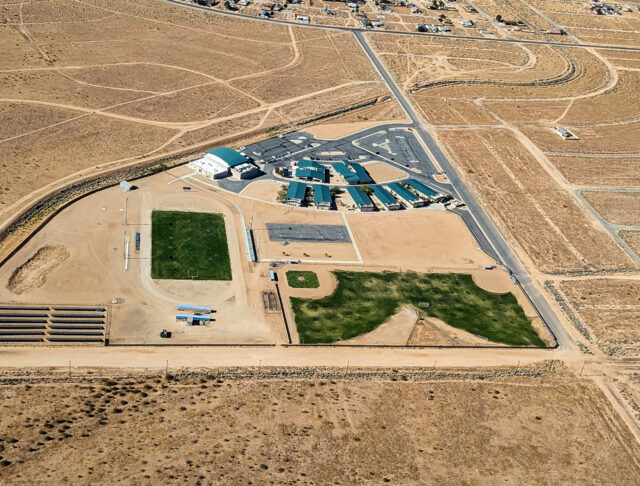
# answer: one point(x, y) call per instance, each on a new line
point(466, 23)
point(563, 132)
point(305, 19)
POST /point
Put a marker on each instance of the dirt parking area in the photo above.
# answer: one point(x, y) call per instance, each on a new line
point(401, 427)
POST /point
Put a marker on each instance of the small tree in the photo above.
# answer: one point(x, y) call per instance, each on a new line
point(441, 4)
point(422, 28)
point(335, 191)
point(442, 17)
point(282, 193)
point(499, 18)
point(366, 189)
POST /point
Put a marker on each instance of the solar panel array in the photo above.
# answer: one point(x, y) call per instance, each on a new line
point(52, 324)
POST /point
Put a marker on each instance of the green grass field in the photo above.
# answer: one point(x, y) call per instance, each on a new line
point(309, 279)
point(188, 245)
point(362, 301)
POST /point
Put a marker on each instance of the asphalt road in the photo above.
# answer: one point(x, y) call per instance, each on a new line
point(500, 247)
point(398, 32)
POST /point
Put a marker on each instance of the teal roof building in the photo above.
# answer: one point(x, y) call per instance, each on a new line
point(385, 198)
point(421, 188)
point(321, 197)
point(361, 198)
point(296, 193)
point(229, 157)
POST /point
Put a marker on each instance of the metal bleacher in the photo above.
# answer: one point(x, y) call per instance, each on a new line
point(53, 324)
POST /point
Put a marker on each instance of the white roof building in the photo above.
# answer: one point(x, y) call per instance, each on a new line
point(210, 167)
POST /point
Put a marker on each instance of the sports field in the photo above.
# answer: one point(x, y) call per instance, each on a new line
point(304, 279)
point(186, 245)
point(364, 300)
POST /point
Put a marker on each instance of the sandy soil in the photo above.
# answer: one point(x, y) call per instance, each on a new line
point(384, 237)
point(382, 172)
point(93, 230)
point(334, 131)
point(632, 238)
point(396, 330)
point(263, 190)
point(33, 273)
point(395, 426)
point(429, 331)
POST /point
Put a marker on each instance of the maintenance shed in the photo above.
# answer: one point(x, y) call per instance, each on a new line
point(296, 194)
point(321, 197)
point(361, 198)
point(405, 194)
point(385, 198)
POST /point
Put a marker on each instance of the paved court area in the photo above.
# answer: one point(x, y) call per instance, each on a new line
point(327, 233)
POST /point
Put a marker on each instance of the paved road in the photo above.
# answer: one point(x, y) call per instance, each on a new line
point(398, 32)
point(500, 247)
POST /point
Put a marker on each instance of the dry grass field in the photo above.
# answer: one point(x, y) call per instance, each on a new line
point(609, 307)
point(599, 170)
point(616, 207)
point(86, 84)
point(529, 169)
point(631, 238)
point(313, 426)
point(512, 184)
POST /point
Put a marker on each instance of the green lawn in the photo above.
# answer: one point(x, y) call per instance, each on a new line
point(300, 279)
point(188, 245)
point(362, 301)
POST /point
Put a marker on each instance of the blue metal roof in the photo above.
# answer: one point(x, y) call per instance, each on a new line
point(420, 187)
point(321, 194)
point(359, 197)
point(384, 196)
point(403, 192)
point(296, 191)
point(310, 164)
point(352, 172)
point(231, 157)
point(309, 173)
point(361, 173)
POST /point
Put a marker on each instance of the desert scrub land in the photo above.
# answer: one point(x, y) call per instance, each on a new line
point(302, 279)
point(364, 300)
point(616, 207)
point(187, 245)
point(609, 307)
point(312, 426)
point(88, 85)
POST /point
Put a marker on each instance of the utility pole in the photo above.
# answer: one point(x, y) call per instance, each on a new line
point(166, 368)
point(582, 369)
